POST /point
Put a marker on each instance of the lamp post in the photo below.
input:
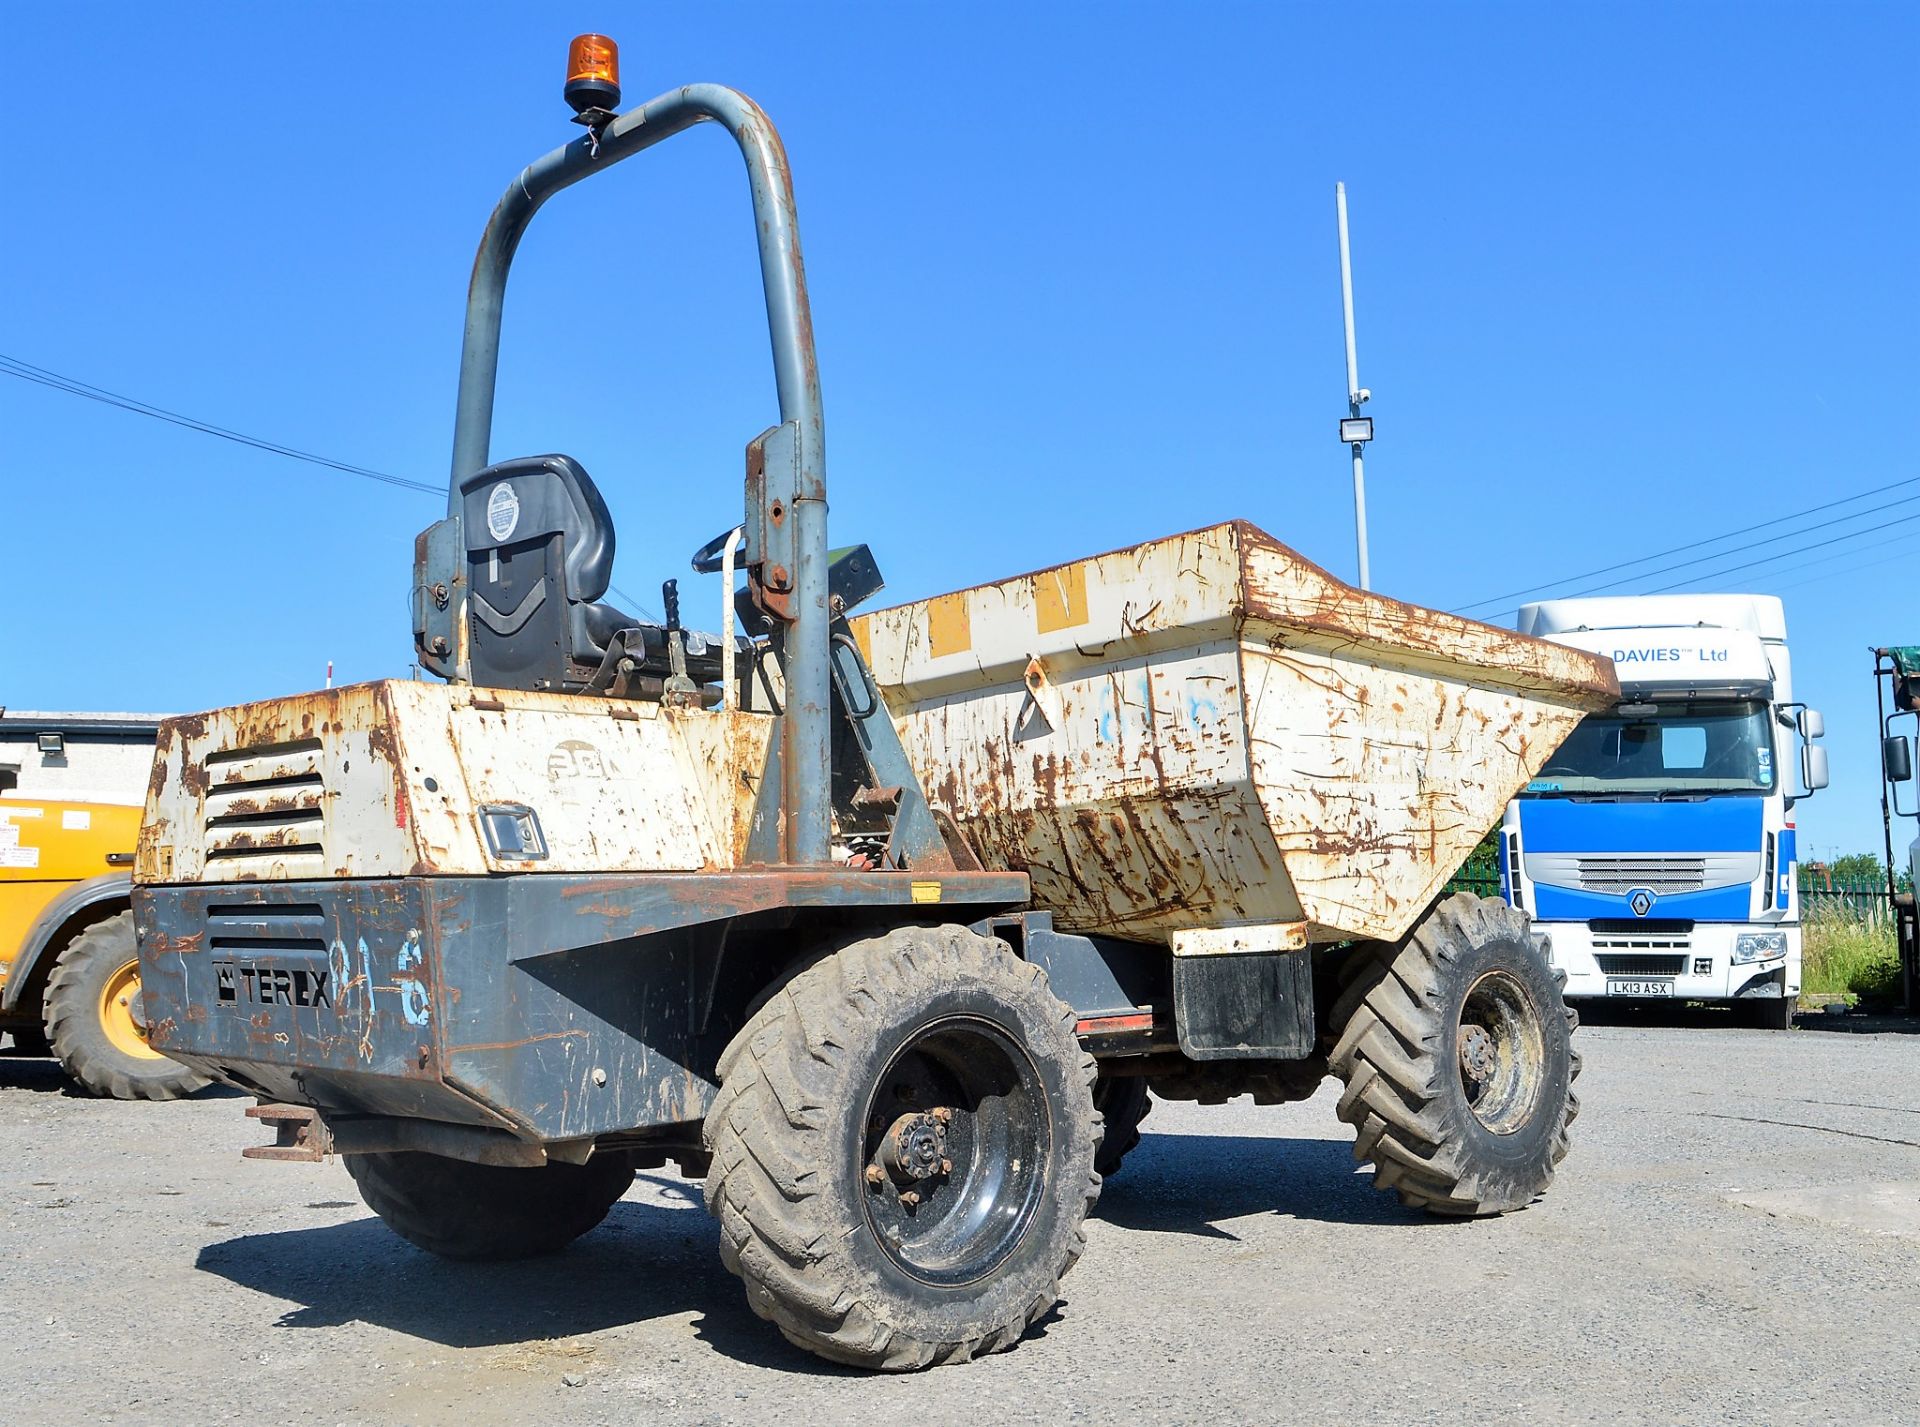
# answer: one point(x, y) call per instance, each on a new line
point(1355, 430)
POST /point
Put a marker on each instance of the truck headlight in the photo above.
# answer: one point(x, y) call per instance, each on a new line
point(1758, 946)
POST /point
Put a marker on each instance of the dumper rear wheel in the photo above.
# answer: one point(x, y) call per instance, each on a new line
point(903, 1150)
point(1455, 1050)
point(1123, 1102)
point(96, 1023)
point(461, 1210)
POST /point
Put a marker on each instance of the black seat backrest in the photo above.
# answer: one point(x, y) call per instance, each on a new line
point(539, 547)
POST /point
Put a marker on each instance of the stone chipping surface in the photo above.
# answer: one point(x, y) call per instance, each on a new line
point(1735, 1239)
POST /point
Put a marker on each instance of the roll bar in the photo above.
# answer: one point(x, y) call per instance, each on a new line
point(804, 747)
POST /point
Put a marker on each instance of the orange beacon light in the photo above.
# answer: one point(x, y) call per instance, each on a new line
point(593, 77)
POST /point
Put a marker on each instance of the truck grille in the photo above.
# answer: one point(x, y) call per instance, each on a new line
point(1640, 937)
point(265, 812)
point(1663, 874)
point(1640, 964)
point(1658, 875)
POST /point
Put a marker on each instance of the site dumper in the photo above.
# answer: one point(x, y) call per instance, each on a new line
point(616, 893)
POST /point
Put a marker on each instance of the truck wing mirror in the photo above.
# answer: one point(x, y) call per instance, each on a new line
point(1897, 758)
point(1812, 724)
point(1813, 766)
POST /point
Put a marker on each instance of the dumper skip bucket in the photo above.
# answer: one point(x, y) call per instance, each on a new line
point(1210, 732)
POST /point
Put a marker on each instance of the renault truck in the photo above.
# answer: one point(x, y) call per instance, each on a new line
point(1656, 849)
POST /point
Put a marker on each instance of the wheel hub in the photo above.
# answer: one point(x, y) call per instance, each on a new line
point(915, 1145)
point(954, 1150)
point(123, 1017)
point(1477, 1061)
point(1501, 1051)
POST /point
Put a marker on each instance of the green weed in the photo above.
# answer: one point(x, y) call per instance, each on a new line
point(1846, 956)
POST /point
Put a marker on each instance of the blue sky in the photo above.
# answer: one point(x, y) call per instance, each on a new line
point(1627, 276)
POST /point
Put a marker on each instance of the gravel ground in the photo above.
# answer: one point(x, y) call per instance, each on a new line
point(1736, 1238)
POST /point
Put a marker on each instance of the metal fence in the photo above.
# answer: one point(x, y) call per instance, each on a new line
point(1854, 899)
point(1480, 883)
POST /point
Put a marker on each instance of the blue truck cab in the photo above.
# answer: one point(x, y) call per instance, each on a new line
point(1657, 847)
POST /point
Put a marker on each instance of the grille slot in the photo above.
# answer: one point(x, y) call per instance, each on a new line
point(1658, 875)
point(265, 812)
point(267, 927)
point(1641, 964)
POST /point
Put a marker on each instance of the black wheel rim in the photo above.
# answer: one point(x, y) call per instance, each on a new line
point(1501, 1052)
point(954, 1150)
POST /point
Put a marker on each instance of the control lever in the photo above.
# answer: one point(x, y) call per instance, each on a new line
point(681, 691)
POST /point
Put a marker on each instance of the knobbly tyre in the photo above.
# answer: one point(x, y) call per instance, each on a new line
point(615, 894)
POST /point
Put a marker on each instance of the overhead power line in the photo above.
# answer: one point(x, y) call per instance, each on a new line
point(26, 371)
point(1692, 545)
point(73, 386)
point(1756, 544)
point(1850, 569)
point(1769, 568)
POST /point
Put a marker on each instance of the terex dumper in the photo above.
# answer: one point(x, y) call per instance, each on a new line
point(879, 926)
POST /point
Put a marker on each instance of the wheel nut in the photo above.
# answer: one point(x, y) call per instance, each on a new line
point(876, 1176)
point(910, 1198)
point(946, 1166)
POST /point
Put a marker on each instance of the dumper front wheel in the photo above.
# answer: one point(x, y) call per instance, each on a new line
point(487, 1212)
point(903, 1150)
point(1455, 1049)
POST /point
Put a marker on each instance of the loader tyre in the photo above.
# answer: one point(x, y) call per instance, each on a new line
point(488, 1212)
point(903, 1150)
point(1455, 1050)
point(1123, 1102)
point(96, 1024)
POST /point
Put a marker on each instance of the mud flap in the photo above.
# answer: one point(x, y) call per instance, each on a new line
point(1253, 1005)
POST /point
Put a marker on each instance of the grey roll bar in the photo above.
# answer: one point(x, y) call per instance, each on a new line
point(804, 748)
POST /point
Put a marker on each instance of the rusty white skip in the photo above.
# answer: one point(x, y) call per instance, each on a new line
point(391, 779)
point(1211, 732)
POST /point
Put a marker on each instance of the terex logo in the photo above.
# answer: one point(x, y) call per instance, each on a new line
point(272, 985)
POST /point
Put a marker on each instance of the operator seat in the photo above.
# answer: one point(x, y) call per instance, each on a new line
point(539, 555)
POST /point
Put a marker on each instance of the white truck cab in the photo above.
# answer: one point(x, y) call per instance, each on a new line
point(1657, 847)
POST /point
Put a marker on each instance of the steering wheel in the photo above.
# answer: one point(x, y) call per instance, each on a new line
point(706, 560)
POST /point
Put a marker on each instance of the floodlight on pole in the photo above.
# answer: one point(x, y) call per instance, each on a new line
point(1356, 430)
